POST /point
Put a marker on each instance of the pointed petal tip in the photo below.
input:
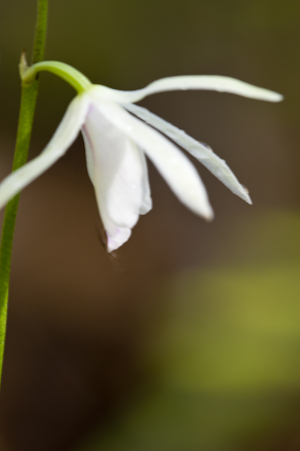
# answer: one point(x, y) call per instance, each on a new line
point(116, 240)
point(210, 217)
point(246, 198)
point(249, 201)
point(245, 194)
point(275, 97)
point(209, 214)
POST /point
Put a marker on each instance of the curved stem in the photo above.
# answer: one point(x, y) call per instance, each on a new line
point(72, 76)
point(26, 116)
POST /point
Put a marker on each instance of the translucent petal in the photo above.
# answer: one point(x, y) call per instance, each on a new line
point(204, 154)
point(117, 238)
point(146, 200)
point(203, 82)
point(60, 142)
point(117, 173)
point(88, 156)
point(146, 204)
point(177, 170)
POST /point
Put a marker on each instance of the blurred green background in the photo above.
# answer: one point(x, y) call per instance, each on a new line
point(190, 339)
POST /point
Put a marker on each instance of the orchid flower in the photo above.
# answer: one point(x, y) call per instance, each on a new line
point(118, 134)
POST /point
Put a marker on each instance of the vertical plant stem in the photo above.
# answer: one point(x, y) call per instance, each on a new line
point(26, 116)
point(40, 32)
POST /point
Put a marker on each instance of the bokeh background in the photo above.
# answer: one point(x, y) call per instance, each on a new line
point(189, 340)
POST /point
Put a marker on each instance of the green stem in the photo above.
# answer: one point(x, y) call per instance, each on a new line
point(72, 76)
point(26, 116)
point(40, 32)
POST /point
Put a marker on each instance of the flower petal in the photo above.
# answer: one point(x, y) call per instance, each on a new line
point(146, 204)
point(178, 171)
point(203, 153)
point(146, 200)
point(117, 174)
point(60, 142)
point(88, 155)
point(117, 236)
point(205, 82)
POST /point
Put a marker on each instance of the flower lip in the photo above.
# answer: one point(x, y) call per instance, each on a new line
point(116, 170)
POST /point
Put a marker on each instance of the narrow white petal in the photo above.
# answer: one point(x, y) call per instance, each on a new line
point(203, 153)
point(177, 170)
point(203, 82)
point(117, 173)
point(65, 134)
point(146, 200)
point(88, 155)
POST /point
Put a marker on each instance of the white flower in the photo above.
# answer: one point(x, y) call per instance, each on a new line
point(116, 143)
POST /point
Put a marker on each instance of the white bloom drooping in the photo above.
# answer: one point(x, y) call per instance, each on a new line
point(116, 143)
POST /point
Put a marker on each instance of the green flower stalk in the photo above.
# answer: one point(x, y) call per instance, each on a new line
point(26, 116)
